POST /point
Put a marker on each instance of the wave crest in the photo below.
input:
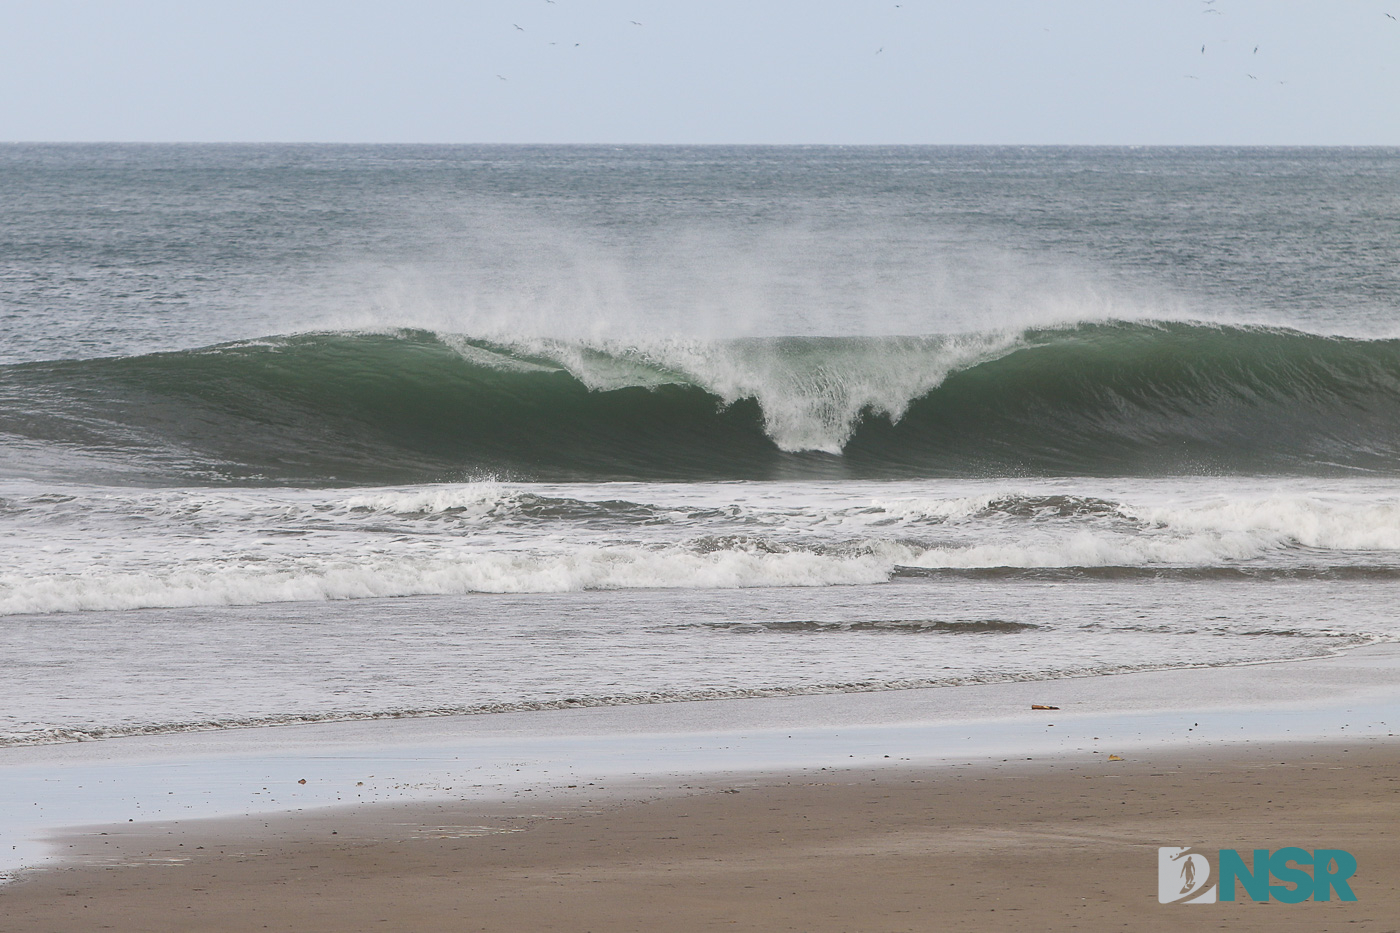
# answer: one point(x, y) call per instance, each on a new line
point(411, 406)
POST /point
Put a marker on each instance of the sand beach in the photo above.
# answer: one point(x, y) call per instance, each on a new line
point(953, 808)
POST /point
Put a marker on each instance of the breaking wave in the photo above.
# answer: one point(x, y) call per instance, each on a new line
point(413, 406)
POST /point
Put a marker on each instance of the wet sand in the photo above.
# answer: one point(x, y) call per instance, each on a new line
point(1061, 843)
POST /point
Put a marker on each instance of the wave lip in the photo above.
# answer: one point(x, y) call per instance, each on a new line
point(411, 406)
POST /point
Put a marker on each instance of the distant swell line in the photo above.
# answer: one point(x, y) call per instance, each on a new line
point(411, 406)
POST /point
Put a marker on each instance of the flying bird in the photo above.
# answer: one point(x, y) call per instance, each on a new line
point(1390, 16)
point(518, 26)
point(502, 77)
point(879, 50)
point(1256, 50)
point(1248, 75)
point(1203, 50)
point(635, 23)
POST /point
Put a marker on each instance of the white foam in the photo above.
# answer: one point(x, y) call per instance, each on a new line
point(812, 395)
point(1309, 521)
point(1086, 548)
point(79, 548)
point(206, 582)
point(812, 391)
point(1221, 527)
point(935, 510)
point(474, 498)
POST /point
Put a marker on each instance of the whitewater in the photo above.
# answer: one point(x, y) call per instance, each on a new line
point(294, 433)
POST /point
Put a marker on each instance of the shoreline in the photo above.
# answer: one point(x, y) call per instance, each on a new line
point(253, 773)
point(80, 736)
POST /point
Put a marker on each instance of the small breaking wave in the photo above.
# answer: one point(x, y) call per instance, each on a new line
point(206, 582)
point(124, 548)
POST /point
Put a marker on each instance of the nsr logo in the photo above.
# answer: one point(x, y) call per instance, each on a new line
point(1183, 873)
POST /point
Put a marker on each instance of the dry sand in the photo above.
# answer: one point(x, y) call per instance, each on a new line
point(1060, 844)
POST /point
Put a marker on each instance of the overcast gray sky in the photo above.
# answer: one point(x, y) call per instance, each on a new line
point(718, 71)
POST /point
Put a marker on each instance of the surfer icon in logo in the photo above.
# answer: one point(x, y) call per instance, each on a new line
point(1182, 873)
point(1188, 875)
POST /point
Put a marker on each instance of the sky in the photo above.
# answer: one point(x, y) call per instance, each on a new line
point(1112, 72)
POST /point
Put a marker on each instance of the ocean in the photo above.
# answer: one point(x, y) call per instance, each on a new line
point(300, 433)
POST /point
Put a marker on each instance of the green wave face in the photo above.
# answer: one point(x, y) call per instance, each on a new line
point(1093, 399)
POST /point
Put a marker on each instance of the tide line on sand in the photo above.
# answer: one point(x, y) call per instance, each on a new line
point(570, 753)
